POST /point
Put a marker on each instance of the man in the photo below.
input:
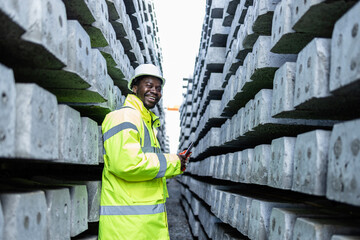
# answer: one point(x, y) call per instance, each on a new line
point(134, 189)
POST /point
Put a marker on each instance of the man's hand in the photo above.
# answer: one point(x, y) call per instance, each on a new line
point(184, 159)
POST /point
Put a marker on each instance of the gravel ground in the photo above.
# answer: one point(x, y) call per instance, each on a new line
point(178, 224)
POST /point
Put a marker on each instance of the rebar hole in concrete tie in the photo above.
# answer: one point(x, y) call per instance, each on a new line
point(298, 93)
point(38, 218)
point(307, 87)
point(26, 222)
point(52, 117)
point(60, 21)
point(352, 65)
point(309, 62)
point(273, 223)
point(355, 30)
point(65, 208)
point(355, 147)
point(80, 43)
point(4, 97)
point(337, 147)
point(338, 72)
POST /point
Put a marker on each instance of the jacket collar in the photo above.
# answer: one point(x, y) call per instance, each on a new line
point(147, 115)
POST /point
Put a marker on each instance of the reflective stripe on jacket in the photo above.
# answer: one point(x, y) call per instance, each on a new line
point(134, 189)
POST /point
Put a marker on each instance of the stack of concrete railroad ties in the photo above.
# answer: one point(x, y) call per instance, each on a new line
point(273, 110)
point(63, 66)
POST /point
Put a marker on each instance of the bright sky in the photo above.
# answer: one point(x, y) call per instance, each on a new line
point(180, 25)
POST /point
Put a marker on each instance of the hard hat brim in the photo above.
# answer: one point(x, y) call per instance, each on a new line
point(145, 74)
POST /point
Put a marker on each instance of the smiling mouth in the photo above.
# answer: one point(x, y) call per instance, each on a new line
point(152, 99)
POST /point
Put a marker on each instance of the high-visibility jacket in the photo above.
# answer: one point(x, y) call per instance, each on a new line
point(134, 189)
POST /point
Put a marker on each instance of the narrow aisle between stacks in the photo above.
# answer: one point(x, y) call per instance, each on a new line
point(178, 224)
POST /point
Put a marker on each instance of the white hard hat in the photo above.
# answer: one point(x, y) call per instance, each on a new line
point(147, 70)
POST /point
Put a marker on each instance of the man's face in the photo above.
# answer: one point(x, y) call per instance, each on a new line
point(148, 90)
